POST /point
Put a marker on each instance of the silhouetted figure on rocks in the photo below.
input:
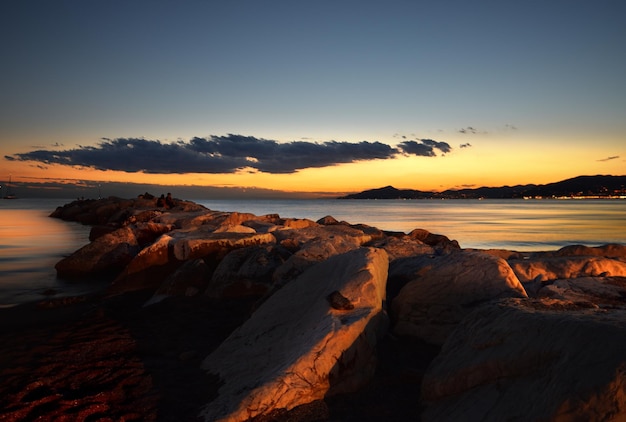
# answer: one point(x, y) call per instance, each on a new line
point(161, 201)
point(169, 201)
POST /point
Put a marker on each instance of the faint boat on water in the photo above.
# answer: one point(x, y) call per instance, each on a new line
point(9, 194)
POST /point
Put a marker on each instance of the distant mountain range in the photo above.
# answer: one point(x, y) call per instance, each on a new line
point(581, 186)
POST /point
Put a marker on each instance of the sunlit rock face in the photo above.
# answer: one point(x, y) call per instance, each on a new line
point(297, 348)
point(148, 268)
point(442, 289)
point(438, 241)
point(547, 268)
point(313, 244)
point(200, 243)
point(403, 247)
point(610, 251)
point(531, 360)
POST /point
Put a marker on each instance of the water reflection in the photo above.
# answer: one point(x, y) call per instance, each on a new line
point(31, 244)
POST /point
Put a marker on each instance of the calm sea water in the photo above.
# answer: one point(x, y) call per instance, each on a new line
point(31, 243)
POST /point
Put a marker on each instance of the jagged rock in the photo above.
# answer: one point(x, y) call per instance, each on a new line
point(109, 254)
point(530, 360)
point(295, 348)
point(546, 268)
point(245, 271)
point(443, 289)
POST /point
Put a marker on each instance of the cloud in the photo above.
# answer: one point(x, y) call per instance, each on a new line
point(468, 130)
point(224, 154)
point(424, 147)
point(465, 145)
point(614, 157)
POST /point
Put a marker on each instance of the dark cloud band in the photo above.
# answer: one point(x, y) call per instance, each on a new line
point(225, 154)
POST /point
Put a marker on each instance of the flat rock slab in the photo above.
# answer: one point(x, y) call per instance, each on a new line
point(199, 244)
point(296, 348)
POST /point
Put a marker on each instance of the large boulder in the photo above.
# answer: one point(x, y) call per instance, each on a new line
point(441, 290)
point(314, 337)
point(107, 255)
point(149, 268)
point(530, 360)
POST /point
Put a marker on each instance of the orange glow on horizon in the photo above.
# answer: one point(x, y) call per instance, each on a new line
point(480, 165)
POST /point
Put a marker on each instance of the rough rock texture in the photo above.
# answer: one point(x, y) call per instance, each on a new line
point(596, 291)
point(559, 267)
point(246, 271)
point(198, 244)
point(443, 289)
point(403, 247)
point(438, 241)
point(531, 360)
point(296, 348)
point(319, 292)
point(314, 244)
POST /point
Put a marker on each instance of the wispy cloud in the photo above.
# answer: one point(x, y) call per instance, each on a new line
point(465, 145)
point(225, 154)
point(469, 130)
point(613, 157)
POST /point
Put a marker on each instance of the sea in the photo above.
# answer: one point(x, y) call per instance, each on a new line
point(31, 242)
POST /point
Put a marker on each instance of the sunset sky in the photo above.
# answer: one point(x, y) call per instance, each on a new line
point(317, 96)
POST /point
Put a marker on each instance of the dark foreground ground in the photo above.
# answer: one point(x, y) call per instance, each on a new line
point(108, 359)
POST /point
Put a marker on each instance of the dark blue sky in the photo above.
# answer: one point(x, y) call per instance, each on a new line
point(509, 79)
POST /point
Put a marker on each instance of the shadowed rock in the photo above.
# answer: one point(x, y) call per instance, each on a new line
point(443, 289)
point(109, 254)
point(567, 362)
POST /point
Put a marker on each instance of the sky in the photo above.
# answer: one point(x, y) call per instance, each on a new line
point(328, 97)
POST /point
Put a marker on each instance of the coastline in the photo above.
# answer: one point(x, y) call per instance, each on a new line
point(62, 356)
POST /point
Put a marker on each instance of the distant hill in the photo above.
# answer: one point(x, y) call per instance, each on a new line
point(602, 186)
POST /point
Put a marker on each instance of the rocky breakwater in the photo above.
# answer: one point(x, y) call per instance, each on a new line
point(526, 336)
